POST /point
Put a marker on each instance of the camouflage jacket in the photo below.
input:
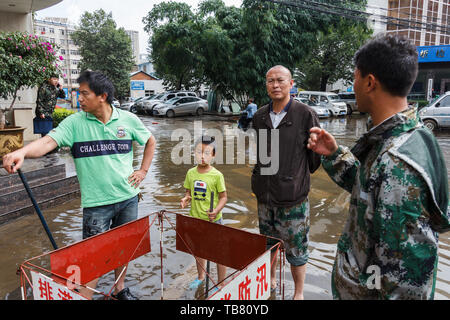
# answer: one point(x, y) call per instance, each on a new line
point(399, 202)
point(46, 99)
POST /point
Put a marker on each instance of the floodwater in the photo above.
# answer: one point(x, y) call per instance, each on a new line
point(24, 238)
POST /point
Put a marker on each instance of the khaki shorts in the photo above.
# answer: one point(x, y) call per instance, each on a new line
point(290, 225)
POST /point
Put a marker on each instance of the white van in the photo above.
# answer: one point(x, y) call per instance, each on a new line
point(437, 113)
point(327, 99)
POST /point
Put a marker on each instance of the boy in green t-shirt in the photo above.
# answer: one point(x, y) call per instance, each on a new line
point(199, 183)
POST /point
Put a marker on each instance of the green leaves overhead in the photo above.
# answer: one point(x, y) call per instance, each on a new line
point(26, 61)
point(105, 48)
point(232, 48)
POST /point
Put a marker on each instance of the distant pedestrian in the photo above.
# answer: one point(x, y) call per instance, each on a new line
point(199, 182)
point(247, 114)
point(397, 178)
point(48, 94)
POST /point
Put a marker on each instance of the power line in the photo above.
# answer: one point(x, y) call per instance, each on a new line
point(326, 8)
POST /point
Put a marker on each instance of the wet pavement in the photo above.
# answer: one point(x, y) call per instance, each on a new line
point(24, 238)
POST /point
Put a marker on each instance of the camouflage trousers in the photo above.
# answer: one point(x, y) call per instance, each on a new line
point(290, 225)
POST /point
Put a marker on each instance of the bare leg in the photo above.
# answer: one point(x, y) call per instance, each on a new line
point(221, 274)
point(121, 283)
point(299, 274)
point(201, 267)
point(87, 292)
point(273, 270)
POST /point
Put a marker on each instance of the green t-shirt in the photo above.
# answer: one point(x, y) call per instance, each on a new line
point(201, 185)
point(103, 154)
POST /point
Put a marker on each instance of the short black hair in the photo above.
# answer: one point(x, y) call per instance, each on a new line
point(207, 141)
point(392, 59)
point(98, 82)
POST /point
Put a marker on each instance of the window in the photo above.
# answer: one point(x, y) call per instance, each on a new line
point(51, 30)
point(62, 31)
point(63, 51)
point(181, 94)
point(445, 102)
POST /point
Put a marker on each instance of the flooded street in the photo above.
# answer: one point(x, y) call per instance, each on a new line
point(25, 238)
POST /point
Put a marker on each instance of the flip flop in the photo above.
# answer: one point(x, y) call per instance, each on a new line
point(195, 284)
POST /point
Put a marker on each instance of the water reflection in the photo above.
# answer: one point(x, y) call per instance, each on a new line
point(163, 188)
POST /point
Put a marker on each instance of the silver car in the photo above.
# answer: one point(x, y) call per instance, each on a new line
point(437, 113)
point(181, 105)
point(326, 99)
point(322, 112)
point(130, 105)
point(162, 98)
point(350, 100)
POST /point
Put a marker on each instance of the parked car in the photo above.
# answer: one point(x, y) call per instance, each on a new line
point(329, 100)
point(181, 105)
point(350, 100)
point(437, 113)
point(131, 105)
point(140, 105)
point(149, 105)
point(322, 111)
point(116, 103)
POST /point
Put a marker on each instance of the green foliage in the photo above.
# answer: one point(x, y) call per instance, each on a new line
point(59, 115)
point(25, 62)
point(105, 48)
point(331, 56)
point(232, 48)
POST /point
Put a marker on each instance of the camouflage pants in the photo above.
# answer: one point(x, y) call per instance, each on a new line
point(290, 225)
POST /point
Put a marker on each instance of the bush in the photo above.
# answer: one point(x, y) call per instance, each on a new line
point(25, 62)
point(59, 115)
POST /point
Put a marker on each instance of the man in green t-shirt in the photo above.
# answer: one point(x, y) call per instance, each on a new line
point(100, 138)
point(199, 183)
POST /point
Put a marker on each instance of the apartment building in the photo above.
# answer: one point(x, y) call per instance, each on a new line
point(134, 37)
point(426, 22)
point(58, 31)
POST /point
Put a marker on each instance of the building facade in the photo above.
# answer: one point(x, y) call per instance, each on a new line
point(58, 31)
point(426, 22)
point(134, 37)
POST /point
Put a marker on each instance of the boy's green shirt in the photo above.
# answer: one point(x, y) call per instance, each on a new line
point(201, 185)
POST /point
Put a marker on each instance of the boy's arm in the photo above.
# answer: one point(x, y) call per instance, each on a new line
point(223, 198)
point(186, 199)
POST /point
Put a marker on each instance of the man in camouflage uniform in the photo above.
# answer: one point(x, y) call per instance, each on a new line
point(398, 184)
point(48, 93)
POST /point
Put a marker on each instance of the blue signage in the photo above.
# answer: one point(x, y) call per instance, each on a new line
point(433, 53)
point(137, 85)
point(294, 90)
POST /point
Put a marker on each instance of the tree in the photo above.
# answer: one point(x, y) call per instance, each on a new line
point(173, 45)
point(331, 57)
point(231, 48)
point(26, 61)
point(105, 48)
